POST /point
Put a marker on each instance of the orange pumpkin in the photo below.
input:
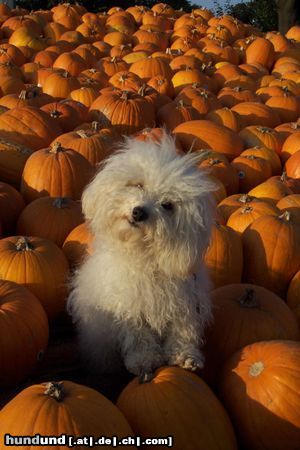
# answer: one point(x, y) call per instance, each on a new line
point(76, 410)
point(232, 203)
point(267, 154)
point(263, 137)
point(224, 256)
point(199, 134)
point(60, 84)
point(291, 203)
point(95, 144)
point(78, 245)
point(260, 388)
point(11, 205)
point(252, 170)
point(292, 165)
point(28, 126)
point(253, 113)
point(23, 332)
point(158, 408)
point(60, 216)
point(40, 266)
point(272, 252)
point(260, 51)
point(126, 112)
point(272, 190)
point(293, 295)
point(244, 314)
point(12, 161)
point(240, 219)
point(57, 172)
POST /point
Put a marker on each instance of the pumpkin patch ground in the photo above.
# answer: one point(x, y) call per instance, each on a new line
point(73, 85)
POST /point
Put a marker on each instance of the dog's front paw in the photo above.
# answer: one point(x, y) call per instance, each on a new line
point(143, 364)
point(189, 361)
point(146, 376)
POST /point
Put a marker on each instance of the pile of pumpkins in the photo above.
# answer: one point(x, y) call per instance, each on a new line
point(72, 84)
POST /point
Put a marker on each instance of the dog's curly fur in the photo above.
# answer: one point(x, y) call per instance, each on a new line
point(141, 297)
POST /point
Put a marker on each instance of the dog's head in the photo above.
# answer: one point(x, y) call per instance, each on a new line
point(149, 199)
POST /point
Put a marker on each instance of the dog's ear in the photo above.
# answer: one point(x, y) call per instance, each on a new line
point(89, 201)
point(182, 254)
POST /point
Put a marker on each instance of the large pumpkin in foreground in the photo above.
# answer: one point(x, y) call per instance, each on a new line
point(244, 314)
point(177, 403)
point(260, 386)
point(53, 409)
point(23, 332)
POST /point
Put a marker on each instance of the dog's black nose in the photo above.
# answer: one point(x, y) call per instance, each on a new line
point(139, 214)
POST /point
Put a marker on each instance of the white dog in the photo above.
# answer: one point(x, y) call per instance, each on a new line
point(142, 295)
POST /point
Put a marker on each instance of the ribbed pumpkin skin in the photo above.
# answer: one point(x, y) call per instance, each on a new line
point(78, 245)
point(200, 134)
point(59, 217)
point(28, 126)
point(11, 205)
point(82, 412)
point(55, 173)
point(224, 256)
point(43, 269)
point(245, 215)
point(126, 113)
point(260, 387)
point(13, 157)
point(93, 145)
point(177, 403)
point(23, 332)
point(260, 51)
point(244, 314)
point(271, 252)
point(293, 295)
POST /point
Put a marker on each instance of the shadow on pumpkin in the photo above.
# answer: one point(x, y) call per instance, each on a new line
point(257, 426)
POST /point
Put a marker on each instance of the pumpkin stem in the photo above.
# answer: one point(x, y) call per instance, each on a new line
point(264, 130)
point(256, 369)
point(245, 198)
point(248, 300)
point(247, 209)
point(286, 216)
point(23, 244)
point(82, 133)
point(95, 126)
point(55, 390)
point(61, 202)
point(56, 148)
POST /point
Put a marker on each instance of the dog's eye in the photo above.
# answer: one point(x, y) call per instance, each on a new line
point(134, 184)
point(168, 206)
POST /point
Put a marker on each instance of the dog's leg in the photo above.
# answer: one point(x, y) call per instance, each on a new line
point(141, 350)
point(182, 345)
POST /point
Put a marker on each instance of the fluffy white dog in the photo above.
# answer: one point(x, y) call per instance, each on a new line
point(142, 295)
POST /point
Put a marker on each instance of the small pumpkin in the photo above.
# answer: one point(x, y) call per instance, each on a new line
point(40, 266)
point(60, 216)
point(224, 256)
point(11, 205)
point(271, 247)
point(55, 171)
point(24, 332)
point(78, 245)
